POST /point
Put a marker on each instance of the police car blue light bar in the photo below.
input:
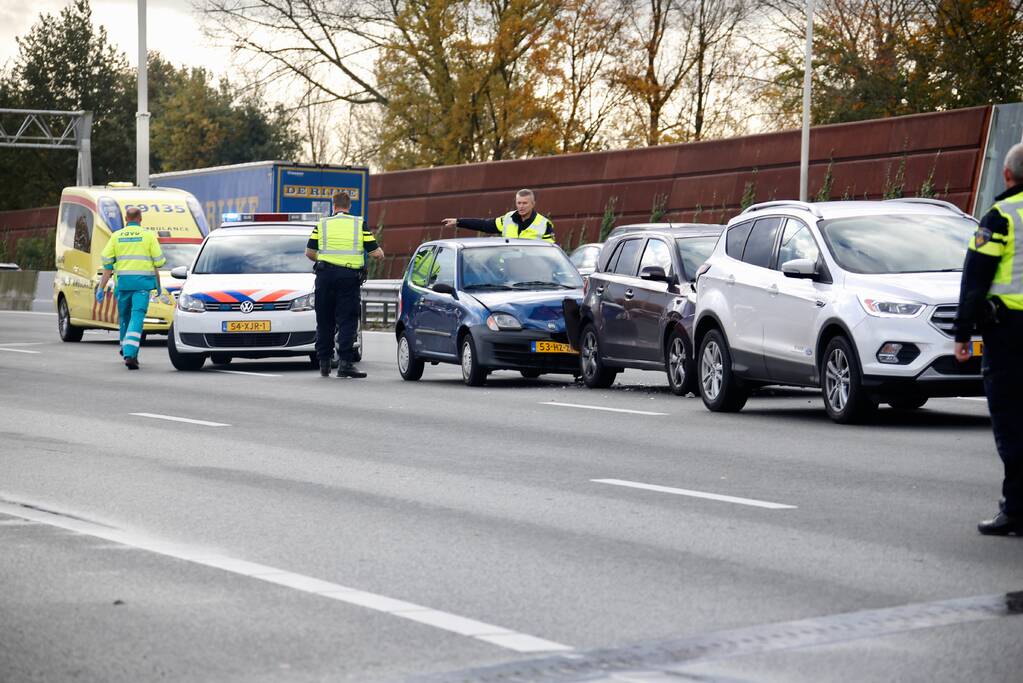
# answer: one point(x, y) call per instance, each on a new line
point(227, 218)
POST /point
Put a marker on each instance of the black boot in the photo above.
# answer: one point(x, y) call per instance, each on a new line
point(346, 369)
point(1001, 525)
point(324, 368)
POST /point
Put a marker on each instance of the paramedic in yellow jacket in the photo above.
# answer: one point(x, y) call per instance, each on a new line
point(134, 255)
point(524, 222)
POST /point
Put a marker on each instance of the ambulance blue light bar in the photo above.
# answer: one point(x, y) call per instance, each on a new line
point(228, 218)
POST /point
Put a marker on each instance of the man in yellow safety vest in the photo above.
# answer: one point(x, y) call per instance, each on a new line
point(134, 255)
point(339, 245)
point(524, 222)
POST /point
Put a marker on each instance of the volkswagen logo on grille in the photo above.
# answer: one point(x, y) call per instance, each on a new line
point(246, 307)
point(551, 325)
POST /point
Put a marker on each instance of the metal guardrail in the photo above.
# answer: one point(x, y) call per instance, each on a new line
point(380, 301)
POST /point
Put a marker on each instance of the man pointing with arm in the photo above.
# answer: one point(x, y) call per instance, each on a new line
point(524, 222)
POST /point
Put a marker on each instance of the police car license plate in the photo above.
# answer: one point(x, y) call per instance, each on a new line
point(246, 326)
point(978, 348)
point(551, 347)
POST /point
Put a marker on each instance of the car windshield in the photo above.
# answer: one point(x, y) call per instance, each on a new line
point(178, 254)
point(904, 243)
point(245, 254)
point(585, 257)
point(516, 267)
point(694, 251)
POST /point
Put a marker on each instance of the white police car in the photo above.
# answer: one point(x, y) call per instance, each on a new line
point(248, 294)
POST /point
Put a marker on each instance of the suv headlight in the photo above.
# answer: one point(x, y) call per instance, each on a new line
point(891, 309)
point(306, 302)
point(187, 302)
point(503, 321)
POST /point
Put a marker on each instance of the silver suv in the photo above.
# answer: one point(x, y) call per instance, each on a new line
point(856, 297)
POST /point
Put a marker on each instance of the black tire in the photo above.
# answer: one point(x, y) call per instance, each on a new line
point(67, 331)
point(594, 374)
point(409, 367)
point(845, 399)
point(473, 374)
point(908, 402)
point(530, 374)
point(187, 362)
point(679, 364)
point(721, 390)
point(221, 358)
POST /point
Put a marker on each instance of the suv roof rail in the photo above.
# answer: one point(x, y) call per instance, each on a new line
point(931, 202)
point(790, 203)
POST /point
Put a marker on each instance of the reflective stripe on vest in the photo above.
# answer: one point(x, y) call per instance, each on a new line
point(507, 224)
point(131, 253)
point(1008, 279)
point(341, 241)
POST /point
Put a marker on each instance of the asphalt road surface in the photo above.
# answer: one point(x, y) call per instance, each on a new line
point(287, 527)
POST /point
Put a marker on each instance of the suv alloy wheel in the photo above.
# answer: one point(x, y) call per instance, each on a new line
point(679, 364)
point(845, 398)
point(721, 390)
point(595, 375)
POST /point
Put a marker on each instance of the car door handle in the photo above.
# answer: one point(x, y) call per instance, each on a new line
point(600, 290)
point(629, 294)
point(773, 290)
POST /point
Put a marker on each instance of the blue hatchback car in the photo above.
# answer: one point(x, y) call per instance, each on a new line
point(487, 304)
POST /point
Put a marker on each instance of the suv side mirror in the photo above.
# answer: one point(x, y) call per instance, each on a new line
point(180, 273)
point(802, 268)
point(654, 273)
point(444, 288)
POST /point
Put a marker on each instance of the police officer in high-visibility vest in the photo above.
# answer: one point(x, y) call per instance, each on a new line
point(339, 245)
point(133, 254)
point(524, 222)
point(991, 297)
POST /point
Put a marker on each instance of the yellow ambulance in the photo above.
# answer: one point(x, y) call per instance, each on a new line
point(87, 218)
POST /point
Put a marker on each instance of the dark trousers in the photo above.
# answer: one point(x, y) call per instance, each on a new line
point(1003, 383)
point(338, 307)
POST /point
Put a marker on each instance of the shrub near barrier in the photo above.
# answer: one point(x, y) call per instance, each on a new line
point(36, 253)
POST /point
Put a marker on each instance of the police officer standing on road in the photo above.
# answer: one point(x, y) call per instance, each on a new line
point(339, 245)
point(524, 222)
point(134, 254)
point(992, 295)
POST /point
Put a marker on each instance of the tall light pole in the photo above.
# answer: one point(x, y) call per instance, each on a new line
point(142, 116)
point(804, 151)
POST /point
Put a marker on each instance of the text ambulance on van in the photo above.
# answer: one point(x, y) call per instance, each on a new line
point(88, 217)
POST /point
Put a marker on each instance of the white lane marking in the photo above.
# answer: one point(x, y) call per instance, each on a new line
point(610, 410)
point(453, 623)
point(244, 372)
point(24, 343)
point(696, 494)
point(971, 398)
point(19, 350)
point(189, 420)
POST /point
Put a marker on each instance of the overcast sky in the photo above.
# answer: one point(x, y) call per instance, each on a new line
point(174, 29)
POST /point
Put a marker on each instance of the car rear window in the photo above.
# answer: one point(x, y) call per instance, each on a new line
point(760, 245)
point(628, 259)
point(735, 239)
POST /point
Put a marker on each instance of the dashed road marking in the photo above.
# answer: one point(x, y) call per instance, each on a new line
point(2, 348)
point(446, 621)
point(172, 418)
point(244, 372)
point(609, 410)
point(696, 494)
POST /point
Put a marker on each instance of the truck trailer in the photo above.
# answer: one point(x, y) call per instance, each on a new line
point(270, 186)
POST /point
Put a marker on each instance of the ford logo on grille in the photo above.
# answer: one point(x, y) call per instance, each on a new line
point(246, 307)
